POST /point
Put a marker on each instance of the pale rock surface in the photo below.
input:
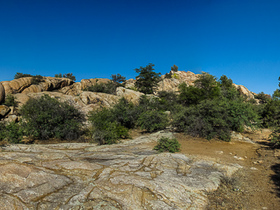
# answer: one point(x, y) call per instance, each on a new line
point(2, 93)
point(17, 85)
point(130, 95)
point(85, 102)
point(177, 78)
point(239, 137)
point(130, 83)
point(4, 110)
point(129, 175)
point(11, 118)
point(90, 82)
point(244, 91)
point(24, 85)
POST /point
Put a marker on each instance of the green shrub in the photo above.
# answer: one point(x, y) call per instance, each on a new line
point(68, 75)
point(47, 118)
point(215, 118)
point(153, 120)
point(108, 87)
point(35, 79)
point(11, 132)
point(106, 130)
point(10, 100)
point(20, 75)
point(125, 113)
point(190, 95)
point(167, 145)
point(271, 113)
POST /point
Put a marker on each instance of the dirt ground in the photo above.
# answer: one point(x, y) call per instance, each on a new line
point(256, 185)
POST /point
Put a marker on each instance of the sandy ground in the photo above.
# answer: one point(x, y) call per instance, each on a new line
point(255, 185)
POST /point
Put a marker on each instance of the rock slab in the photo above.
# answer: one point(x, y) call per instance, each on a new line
point(129, 175)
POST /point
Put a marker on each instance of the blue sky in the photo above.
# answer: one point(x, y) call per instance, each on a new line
point(95, 39)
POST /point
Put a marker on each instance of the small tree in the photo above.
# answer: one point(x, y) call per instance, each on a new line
point(118, 78)
point(174, 68)
point(46, 117)
point(147, 79)
point(58, 75)
point(68, 75)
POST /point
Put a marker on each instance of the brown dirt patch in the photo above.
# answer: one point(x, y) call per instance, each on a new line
point(256, 185)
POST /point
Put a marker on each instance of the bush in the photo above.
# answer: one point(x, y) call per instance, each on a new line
point(10, 100)
point(35, 79)
point(47, 118)
point(109, 87)
point(20, 75)
point(153, 120)
point(167, 145)
point(125, 113)
point(215, 118)
point(12, 132)
point(106, 130)
point(68, 75)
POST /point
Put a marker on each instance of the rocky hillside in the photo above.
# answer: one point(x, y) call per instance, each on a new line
point(73, 92)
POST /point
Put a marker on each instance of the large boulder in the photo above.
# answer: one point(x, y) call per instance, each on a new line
point(85, 83)
point(2, 93)
point(4, 110)
point(85, 102)
point(244, 91)
point(130, 95)
point(17, 85)
point(177, 78)
point(25, 85)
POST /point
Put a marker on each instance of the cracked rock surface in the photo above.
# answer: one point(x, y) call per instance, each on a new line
point(129, 175)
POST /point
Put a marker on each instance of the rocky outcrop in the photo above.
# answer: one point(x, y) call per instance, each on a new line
point(90, 82)
point(178, 78)
point(128, 176)
point(25, 85)
point(85, 102)
point(2, 93)
point(244, 91)
point(130, 95)
point(4, 110)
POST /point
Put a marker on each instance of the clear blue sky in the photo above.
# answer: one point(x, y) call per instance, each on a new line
point(95, 39)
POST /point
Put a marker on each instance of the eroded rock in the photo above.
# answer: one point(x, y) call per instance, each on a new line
point(4, 110)
point(2, 93)
point(129, 175)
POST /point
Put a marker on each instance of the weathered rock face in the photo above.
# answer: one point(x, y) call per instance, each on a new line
point(24, 85)
point(129, 175)
point(177, 78)
point(89, 82)
point(85, 102)
point(4, 110)
point(129, 95)
point(2, 93)
point(244, 91)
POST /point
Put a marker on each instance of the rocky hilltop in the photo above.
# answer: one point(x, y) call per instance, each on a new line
point(74, 92)
point(128, 175)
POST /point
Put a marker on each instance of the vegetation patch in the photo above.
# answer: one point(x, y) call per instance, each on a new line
point(167, 145)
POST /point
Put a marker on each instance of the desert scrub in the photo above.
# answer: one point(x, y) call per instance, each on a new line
point(10, 100)
point(167, 145)
point(46, 117)
point(153, 120)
